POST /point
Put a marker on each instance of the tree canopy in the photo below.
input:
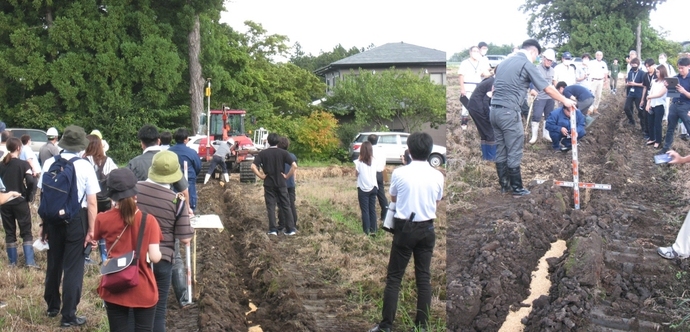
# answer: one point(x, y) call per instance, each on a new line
point(376, 98)
point(312, 63)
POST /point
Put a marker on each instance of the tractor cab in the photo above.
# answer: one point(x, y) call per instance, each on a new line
point(224, 124)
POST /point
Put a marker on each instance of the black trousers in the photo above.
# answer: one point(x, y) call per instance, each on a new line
point(163, 273)
point(409, 239)
point(65, 256)
point(17, 213)
point(381, 195)
point(279, 196)
point(281, 217)
point(631, 104)
point(118, 318)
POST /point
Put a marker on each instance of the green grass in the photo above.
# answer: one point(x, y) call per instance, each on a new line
point(321, 163)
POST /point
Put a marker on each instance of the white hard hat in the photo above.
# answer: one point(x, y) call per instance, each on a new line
point(52, 132)
point(549, 54)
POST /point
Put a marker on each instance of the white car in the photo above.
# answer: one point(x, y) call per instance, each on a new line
point(194, 142)
point(395, 144)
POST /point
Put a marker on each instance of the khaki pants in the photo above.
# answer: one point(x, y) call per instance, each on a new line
point(596, 86)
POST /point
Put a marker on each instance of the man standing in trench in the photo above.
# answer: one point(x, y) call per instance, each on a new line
point(513, 78)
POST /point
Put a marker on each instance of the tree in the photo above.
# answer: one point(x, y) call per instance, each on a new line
point(494, 49)
point(312, 63)
point(389, 95)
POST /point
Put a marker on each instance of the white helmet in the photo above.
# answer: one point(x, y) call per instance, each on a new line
point(52, 132)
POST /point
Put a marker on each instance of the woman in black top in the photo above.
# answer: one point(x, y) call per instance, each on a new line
point(17, 176)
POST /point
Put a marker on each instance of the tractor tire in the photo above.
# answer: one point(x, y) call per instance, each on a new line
point(246, 174)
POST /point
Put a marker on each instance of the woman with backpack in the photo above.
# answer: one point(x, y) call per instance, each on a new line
point(17, 176)
point(103, 166)
point(120, 228)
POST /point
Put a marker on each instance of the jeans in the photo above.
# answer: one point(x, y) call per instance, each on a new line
point(409, 239)
point(217, 160)
point(584, 105)
point(542, 107)
point(654, 118)
point(118, 318)
point(65, 256)
point(675, 112)
point(279, 196)
point(381, 195)
point(367, 204)
point(192, 193)
point(163, 273)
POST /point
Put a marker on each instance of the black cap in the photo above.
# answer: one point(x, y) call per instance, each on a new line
point(121, 183)
point(532, 42)
point(482, 44)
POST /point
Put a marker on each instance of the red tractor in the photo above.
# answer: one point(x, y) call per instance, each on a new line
point(223, 125)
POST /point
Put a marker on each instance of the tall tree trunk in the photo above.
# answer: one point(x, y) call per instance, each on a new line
point(196, 80)
point(639, 40)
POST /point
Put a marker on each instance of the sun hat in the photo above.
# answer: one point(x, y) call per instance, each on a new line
point(74, 139)
point(97, 133)
point(121, 183)
point(165, 168)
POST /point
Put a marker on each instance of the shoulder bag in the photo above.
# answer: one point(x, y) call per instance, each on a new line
point(122, 273)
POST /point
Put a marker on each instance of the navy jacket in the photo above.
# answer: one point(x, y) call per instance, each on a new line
point(557, 120)
point(580, 92)
point(185, 153)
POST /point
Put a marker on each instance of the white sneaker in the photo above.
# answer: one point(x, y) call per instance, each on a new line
point(273, 233)
point(667, 252)
point(291, 233)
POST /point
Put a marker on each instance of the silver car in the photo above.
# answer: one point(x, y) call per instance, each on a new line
point(395, 144)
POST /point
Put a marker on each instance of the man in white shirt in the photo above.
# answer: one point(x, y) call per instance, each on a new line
point(582, 73)
point(380, 163)
point(470, 73)
point(416, 189)
point(563, 72)
point(599, 74)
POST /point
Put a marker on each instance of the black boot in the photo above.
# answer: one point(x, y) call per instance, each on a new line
point(503, 177)
point(516, 182)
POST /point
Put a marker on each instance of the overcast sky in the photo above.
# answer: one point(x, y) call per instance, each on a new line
point(449, 26)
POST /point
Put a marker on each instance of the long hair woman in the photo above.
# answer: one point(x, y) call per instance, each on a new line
point(103, 165)
point(367, 187)
point(17, 176)
point(656, 102)
point(121, 224)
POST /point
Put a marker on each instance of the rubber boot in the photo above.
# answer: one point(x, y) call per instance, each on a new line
point(206, 178)
point(516, 182)
point(503, 179)
point(12, 253)
point(102, 250)
point(226, 177)
point(545, 133)
point(29, 256)
point(535, 132)
point(490, 152)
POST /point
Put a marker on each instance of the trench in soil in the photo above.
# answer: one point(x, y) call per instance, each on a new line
point(610, 278)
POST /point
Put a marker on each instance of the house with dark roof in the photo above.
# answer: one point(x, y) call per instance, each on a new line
point(399, 55)
point(426, 61)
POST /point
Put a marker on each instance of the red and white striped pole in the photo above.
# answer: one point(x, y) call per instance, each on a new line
point(573, 141)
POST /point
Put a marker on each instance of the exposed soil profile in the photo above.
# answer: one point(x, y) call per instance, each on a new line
point(610, 278)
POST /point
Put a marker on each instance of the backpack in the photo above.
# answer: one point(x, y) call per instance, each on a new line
point(59, 199)
point(104, 202)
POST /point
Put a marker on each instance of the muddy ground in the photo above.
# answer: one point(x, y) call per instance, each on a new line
point(610, 278)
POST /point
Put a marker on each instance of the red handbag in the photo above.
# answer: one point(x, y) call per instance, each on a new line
point(122, 273)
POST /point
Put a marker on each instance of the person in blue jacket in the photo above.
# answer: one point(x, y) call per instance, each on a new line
point(558, 125)
point(185, 153)
point(579, 93)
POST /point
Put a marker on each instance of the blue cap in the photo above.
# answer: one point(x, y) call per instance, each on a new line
point(567, 55)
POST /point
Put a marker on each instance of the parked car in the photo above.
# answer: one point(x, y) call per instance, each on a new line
point(194, 142)
point(494, 60)
point(38, 137)
point(395, 144)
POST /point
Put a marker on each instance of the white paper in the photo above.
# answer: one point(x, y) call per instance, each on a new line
point(206, 221)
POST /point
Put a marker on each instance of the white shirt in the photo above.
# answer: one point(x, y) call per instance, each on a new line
point(417, 187)
point(598, 69)
point(28, 155)
point(366, 177)
point(655, 88)
point(471, 72)
point(564, 73)
point(108, 166)
point(379, 158)
point(86, 176)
